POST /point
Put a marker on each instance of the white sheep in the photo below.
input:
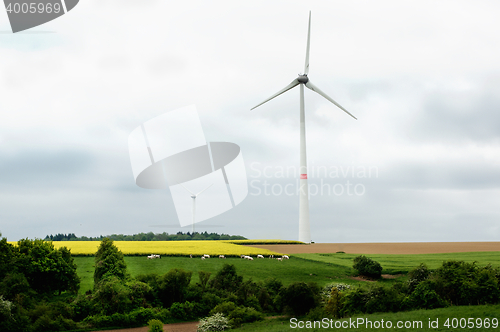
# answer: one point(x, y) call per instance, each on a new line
point(280, 259)
point(202, 257)
point(222, 256)
point(285, 257)
point(271, 256)
point(206, 256)
point(260, 256)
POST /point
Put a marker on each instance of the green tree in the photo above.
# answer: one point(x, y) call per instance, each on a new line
point(227, 279)
point(47, 269)
point(109, 262)
point(172, 286)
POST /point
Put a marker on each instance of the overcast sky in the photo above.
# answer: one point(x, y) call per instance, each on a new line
point(421, 163)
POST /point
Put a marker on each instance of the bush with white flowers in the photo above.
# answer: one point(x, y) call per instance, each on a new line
point(5, 307)
point(216, 322)
point(327, 290)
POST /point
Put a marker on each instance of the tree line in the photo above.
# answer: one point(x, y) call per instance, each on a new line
point(150, 236)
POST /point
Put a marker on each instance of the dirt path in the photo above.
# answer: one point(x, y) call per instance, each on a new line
point(383, 248)
point(178, 327)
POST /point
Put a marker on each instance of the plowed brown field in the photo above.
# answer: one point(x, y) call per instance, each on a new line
point(383, 248)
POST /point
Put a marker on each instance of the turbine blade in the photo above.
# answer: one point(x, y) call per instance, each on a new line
point(306, 67)
point(317, 90)
point(189, 191)
point(294, 83)
point(204, 189)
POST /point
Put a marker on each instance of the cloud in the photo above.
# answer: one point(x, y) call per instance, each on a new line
point(422, 78)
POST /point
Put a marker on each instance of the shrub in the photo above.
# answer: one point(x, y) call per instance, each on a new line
point(183, 311)
point(112, 295)
point(237, 314)
point(141, 316)
point(155, 325)
point(243, 315)
point(173, 285)
point(316, 314)
point(265, 300)
point(224, 308)
point(369, 300)
point(140, 293)
point(462, 283)
point(326, 292)
point(424, 297)
point(204, 277)
point(5, 307)
point(334, 305)
point(367, 267)
point(298, 298)
point(383, 299)
point(216, 322)
point(416, 276)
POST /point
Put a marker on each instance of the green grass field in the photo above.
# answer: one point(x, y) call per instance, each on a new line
point(320, 268)
point(288, 271)
point(393, 264)
point(482, 312)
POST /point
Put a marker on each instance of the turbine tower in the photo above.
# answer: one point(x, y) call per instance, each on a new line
point(303, 79)
point(193, 196)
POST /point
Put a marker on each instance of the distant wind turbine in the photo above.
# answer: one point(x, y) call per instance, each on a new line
point(193, 196)
point(304, 226)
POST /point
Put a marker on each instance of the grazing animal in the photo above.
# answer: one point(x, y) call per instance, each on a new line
point(285, 257)
point(202, 257)
point(271, 256)
point(190, 256)
point(206, 256)
point(280, 259)
point(222, 256)
point(243, 256)
point(250, 258)
point(260, 256)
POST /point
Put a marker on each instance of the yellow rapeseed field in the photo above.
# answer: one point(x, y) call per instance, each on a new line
point(264, 242)
point(169, 248)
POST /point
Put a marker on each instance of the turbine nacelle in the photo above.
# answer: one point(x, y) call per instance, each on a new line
point(303, 79)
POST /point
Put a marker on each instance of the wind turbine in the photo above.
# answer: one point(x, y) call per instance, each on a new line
point(304, 226)
point(193, 196)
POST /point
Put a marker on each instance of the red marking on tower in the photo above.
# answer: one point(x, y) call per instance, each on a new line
point(303, 176)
